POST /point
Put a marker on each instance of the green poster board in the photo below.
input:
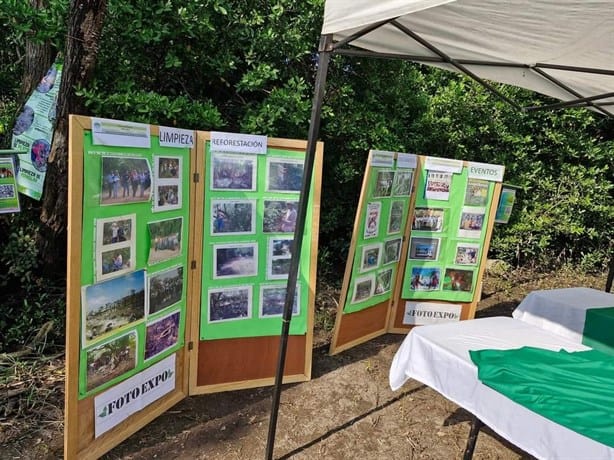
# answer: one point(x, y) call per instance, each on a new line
point(251, 203)
point(447, 236)
point(133, 259)
point(381, 225)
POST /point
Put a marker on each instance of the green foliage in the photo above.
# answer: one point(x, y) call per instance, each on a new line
point(249, 66)
point(31, 301)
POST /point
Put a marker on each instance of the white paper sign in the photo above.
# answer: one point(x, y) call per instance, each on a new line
point(175, 137)
point(485, 171)
point(120, 402)
point(431, 313)
point(407, 160)
point(382, 158)
point(443, 164)
point(238, 143)
point(120, 133)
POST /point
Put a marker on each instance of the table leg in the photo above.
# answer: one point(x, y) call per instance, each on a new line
point(476, 425)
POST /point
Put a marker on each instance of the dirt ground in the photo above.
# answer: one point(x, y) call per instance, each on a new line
point(346, 411)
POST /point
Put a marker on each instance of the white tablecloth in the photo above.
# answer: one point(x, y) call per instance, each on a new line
point(438, 356)
point(562, 311)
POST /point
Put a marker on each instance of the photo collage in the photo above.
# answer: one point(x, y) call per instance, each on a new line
point(133, 296)
point(379, 243)
point(446, 236)
point(250, 218)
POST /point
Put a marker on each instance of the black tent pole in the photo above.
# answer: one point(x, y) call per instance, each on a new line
point(314, 128)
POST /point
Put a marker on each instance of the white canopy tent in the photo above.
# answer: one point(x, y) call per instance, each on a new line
point(563, 49)
point(560, 48)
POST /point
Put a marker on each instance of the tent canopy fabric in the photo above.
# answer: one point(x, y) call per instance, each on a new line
point(563, 49)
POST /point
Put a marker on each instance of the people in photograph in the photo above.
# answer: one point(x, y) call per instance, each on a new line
point(288, 220)
point(114, 232)
point(134, 180)
point(125, 183)
point(108, 181)
point(115, 185)
point(220, 218)
point(118, 262)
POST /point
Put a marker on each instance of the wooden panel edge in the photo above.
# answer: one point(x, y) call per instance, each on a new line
point(247, 384)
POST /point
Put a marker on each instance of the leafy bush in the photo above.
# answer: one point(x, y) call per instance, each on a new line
point(32, 303)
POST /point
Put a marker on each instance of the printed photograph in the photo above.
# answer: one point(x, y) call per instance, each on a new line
point(424, 248)
point(395, 220)
point(115, 229)
point(165, 289)
point(401, 186)
point(467, 254)
point(438, 185)
point(372, 222)
point(125, 180)
point(167, 167)
point(7, 191)
point(233, 217)
point(363, 288)
point(111, 359)
point(392, 251)
point(229, 304)
point(284, 175)
point(280, 247)
point(471, 222)
point(113, 262)
point(279, 216)
point(165, 240)
point(161, 335)
point(233, 172)
point(457, 280)
point(383, 282)
point(279, 258)
point(111, 304)
point(476, 193)
point(167, 197)
point(371, 256)
point(278, 268)
point(383, 184)
point(235, 260)
point(428, 219)
point(273, 298)
point(425, 279)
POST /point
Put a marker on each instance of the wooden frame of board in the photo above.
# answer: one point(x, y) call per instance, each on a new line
point(357, 327)
point(250, 362)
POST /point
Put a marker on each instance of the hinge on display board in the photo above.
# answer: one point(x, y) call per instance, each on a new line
point(193, 265)
point(196, 178)
point(190, 346)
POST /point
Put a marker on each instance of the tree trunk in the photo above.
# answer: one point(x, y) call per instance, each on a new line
point(38, 59)
point(84, 28)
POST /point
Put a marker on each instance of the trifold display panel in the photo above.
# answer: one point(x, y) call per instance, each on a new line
point(419, 246)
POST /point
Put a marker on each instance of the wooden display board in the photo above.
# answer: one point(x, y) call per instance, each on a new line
point(247, 348)
point(137, 293)
point(445, 231)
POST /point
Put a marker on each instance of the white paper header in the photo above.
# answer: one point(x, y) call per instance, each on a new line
point(238, 143)
point(443, 164)
point(382, 158)
point(407, 160)
point(175, 137)
point(121, 401)
point(485, 171)
point(431, 313)
point(120, 133)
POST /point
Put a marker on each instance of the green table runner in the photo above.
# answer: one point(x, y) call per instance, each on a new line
point(575, 390)
point(599, 329)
